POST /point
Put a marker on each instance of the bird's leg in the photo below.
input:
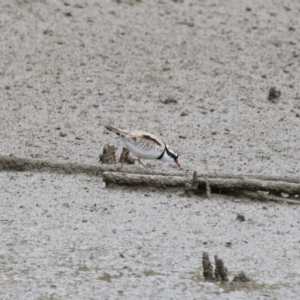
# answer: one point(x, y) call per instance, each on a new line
point(122, 163)
point(139, 160)
point(124, 157)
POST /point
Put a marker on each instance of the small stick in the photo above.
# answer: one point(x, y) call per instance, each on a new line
point(207, 267)
point(220, 271)
point(208, 189)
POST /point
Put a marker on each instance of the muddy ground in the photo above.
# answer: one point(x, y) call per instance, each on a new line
point(68, 66)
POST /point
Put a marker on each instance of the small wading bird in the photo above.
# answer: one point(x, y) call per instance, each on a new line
point(145, 145)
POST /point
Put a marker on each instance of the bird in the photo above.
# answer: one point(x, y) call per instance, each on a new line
point(145, 145)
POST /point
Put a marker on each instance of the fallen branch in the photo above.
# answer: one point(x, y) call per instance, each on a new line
point(144, 179)
point(15, 163)
point(244, 186)
point(263, 197)
point(20, 164)
point(251, 176)
point(248, 183)
point(12, 163)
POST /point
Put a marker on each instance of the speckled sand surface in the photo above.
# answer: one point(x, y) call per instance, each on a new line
point(68, 66)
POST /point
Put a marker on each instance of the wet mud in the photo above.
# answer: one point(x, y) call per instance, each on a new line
point(199, 74)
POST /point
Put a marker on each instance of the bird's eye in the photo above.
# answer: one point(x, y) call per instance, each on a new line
point(172, 154)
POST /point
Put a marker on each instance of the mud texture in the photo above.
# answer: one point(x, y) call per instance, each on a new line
point(109, 155)
point(196, 73)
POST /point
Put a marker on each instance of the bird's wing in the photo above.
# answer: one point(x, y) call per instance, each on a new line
point(146, 140)
point(116, 130)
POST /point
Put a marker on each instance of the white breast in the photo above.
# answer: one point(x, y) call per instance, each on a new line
point(140, 152)
point(167, 158)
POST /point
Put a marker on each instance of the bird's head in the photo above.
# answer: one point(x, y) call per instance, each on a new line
point(172, 155)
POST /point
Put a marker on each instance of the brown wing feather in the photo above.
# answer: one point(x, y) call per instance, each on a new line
point(149, 137)
point(116, 130)
point(147, 140)
point(144, 139)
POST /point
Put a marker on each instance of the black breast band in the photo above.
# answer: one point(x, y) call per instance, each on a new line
point(161, 156)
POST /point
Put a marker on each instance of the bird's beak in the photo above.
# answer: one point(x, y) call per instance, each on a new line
point(176, 162)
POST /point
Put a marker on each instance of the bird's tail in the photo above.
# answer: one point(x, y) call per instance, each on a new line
point(118, 131)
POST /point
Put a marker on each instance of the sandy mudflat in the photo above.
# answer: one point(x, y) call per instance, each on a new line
point(68, 66)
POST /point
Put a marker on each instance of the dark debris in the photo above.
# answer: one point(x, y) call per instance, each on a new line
point(169, 100)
